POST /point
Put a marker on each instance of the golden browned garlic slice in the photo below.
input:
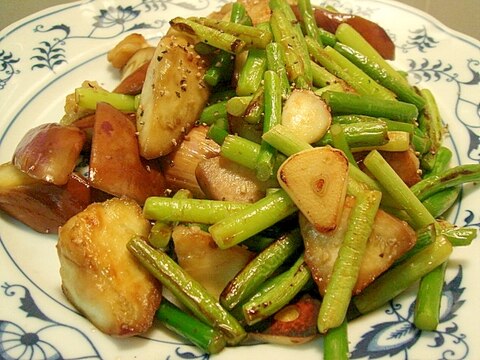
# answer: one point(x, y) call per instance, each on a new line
point(316, 180)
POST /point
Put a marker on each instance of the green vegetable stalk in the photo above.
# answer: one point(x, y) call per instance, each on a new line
point(187, 290)
point(348, 103)
point(251, 75)
point(253, 219)
point(345, 270)
point(273, 116)
point(88, 98)
point(427, 305)
point(214, 112)
point(161, 232)
point(403, 90)
point(455, 176)
point(290, 38)
point(398, 190)
point(399, 278)
point(214, 37)
point(192, 329)
point(249, 279)
point(253, 37)
point(335, 343)
point(280, 292)
point(189, 210)
point(276, 63)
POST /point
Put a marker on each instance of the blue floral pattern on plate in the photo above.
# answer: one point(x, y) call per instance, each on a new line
point(7, 67)
point(399, 335)
point(40, 340)
point(36, 320)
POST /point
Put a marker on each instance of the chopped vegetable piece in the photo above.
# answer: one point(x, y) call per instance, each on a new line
point(200, 334)
point(214, 37)
point(404, 91)
point(398, 189)
point(161, 231)
point(427, 304)
point(265, 165)
point(252, 36)
point(251, 75)
point(49, 152)
point(99, 275)
point(259, 269)
point(161, 128)
point(430, 121)
point(340, 142)
point(253, 219)
point(189, 210)
point(347, 264)
point(460, 236)
point(306, 115)
point(40, 205)
point(348, 35)
point(280, 292)
point(452, 177)
point(336, 343)
point(114, 149)
point(397, 141)
point(180, 165)
point(316, 180)
point(399, 278)
point(188, 291)
point(212, 267)
point(390, 239)
point(347, 103)
point(290, 37)
point(223, 179)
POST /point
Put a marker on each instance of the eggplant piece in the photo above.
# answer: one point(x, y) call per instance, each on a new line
point(133, 83)
point(389, 240)
point(173, 96)
point(49, 152)
point(371, 31)
point(223, 179)
point(211, 266)
point(115, 163)
point(40, 205)
point(405, 163)
point(100, 277)
point(141, 57)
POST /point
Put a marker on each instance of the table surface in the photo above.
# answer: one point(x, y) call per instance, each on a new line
point(460, 15)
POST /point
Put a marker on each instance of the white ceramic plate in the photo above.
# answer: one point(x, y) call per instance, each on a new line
point(47, 55)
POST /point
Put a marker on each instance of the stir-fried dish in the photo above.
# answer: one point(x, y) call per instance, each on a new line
point(266, 164)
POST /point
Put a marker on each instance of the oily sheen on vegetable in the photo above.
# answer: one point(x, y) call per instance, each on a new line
point(265, 167)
